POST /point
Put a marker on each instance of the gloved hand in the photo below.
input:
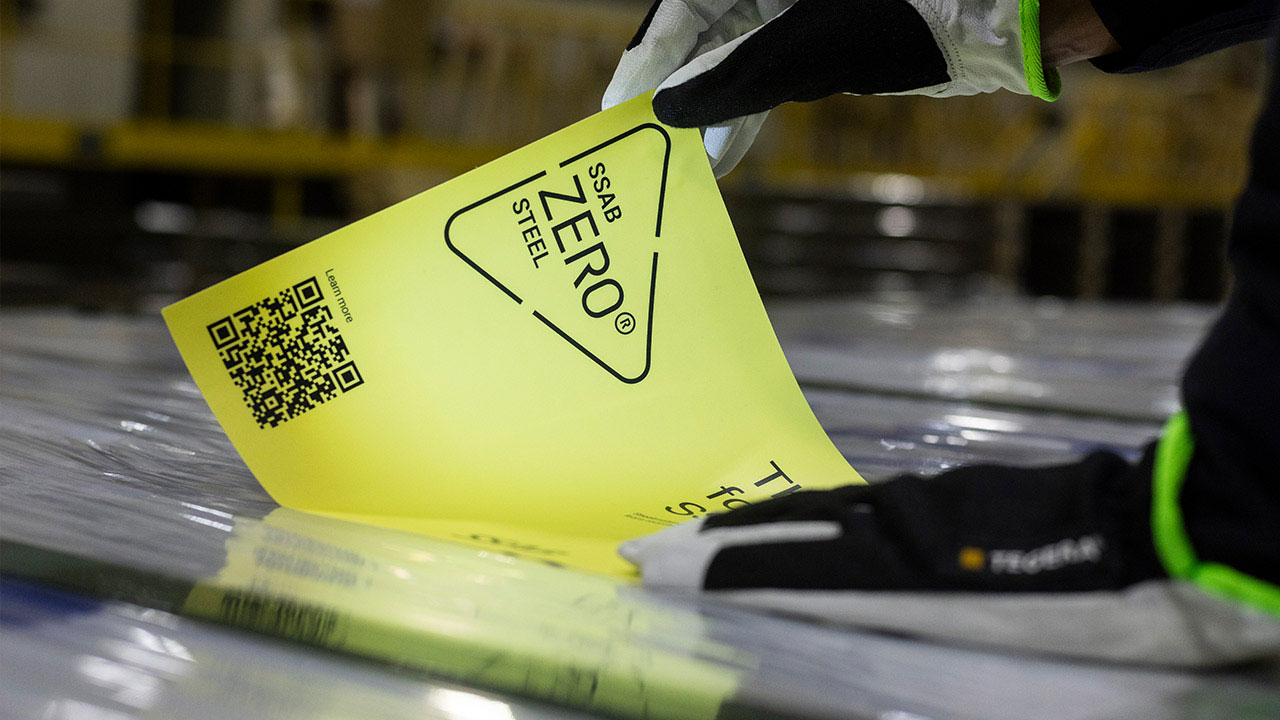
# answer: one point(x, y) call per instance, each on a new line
point(1058, 560)
point(722, 64)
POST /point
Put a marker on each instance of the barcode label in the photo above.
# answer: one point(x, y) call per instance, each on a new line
point(279, 616)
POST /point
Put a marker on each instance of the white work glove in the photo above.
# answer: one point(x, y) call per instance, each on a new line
point(722, 64)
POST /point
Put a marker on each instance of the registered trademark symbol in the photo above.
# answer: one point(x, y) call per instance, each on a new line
point(624, 322)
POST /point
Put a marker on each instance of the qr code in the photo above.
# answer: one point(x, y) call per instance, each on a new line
point(285, 354)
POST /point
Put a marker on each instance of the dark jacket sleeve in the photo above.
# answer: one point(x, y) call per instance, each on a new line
point(1231, 390)
point(1159, 33)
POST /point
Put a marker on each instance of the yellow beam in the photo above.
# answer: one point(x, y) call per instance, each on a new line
point(206, 148)
point(36, 141)
point(198, 148)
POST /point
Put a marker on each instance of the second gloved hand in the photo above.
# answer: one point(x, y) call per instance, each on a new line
point(1056, 560)
point(722, 64)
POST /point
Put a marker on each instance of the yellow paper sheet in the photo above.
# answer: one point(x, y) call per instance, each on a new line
point(557, 351)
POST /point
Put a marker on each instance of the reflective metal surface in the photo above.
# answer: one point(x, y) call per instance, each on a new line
point(117, 484)
point(69, 657)
point(1101, 360)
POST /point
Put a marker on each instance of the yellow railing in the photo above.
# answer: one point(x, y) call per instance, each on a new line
point(451, 83)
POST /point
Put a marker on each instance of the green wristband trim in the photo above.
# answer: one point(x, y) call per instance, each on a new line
point(1043, 83)
point(1173, 546)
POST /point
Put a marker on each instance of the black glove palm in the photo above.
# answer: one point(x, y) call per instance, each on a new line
point(722, 64)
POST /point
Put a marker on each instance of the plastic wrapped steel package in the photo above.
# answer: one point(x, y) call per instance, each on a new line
point(1100, 360)
point(129, 524)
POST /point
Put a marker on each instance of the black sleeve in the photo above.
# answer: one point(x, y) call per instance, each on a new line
point(1231, 499)
point(1159, 33)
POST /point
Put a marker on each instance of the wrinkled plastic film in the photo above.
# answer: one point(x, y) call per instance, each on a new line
point(114, 470)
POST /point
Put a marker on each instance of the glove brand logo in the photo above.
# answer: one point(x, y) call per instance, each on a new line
point(972, 558)
point(1056, 555)
point(576, 257)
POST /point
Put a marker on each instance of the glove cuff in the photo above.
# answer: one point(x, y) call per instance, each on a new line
point(1173, 545)
point(989, 45)
point(1044, 83)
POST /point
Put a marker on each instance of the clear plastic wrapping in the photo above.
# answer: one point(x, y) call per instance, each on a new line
point(117, 485)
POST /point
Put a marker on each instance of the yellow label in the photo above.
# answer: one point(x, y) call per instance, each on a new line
point(555, 352)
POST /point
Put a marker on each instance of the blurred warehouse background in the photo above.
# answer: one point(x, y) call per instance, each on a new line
point(153, 147)
point(910, 251)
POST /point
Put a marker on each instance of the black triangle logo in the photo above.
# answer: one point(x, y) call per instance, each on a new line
point(574, 249)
